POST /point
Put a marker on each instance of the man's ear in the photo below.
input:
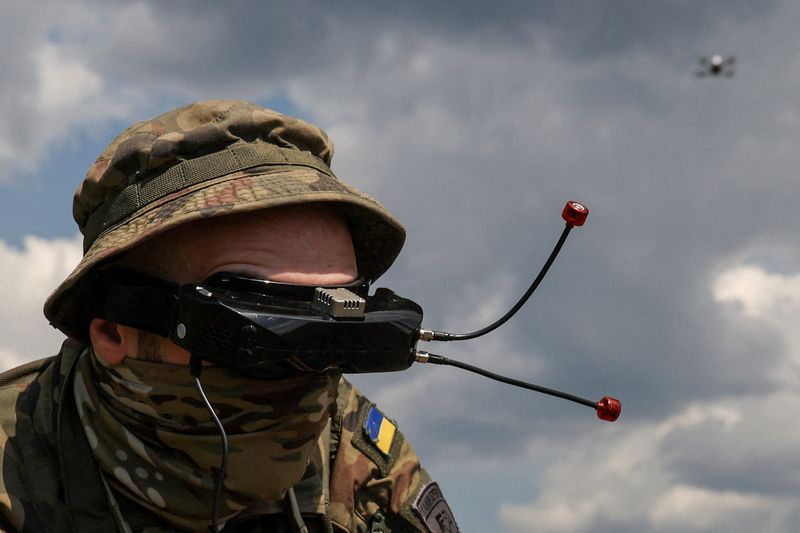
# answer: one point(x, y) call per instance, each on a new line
point(113, 342)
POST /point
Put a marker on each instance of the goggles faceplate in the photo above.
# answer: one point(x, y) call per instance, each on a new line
point(265, 328)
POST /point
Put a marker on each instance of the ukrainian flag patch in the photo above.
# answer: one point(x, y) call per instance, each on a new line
point(380, 430)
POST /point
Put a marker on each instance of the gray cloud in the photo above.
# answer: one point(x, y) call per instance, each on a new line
point(475, 125)
point(19, 33)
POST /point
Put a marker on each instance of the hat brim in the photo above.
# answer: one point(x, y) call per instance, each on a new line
point(377, 236)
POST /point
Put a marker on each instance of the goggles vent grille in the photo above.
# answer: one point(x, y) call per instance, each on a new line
point(338, 303)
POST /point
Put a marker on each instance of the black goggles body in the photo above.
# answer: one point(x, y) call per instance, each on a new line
point(268, 329)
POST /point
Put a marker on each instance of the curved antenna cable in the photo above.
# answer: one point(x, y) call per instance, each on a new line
point(574, 214)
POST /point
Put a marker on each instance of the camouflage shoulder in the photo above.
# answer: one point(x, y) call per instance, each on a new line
point(360, 424)
point(31, 497)
point(14, 507)
point(23, 375)
point(376, 477)
point(14, 382)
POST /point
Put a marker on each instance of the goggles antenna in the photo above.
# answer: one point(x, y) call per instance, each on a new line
point(608, 408)
point(574, 214)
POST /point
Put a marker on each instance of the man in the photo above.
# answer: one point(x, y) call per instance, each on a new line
point(112, 434)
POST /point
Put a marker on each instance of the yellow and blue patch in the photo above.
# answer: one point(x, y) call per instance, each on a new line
point(380, 430)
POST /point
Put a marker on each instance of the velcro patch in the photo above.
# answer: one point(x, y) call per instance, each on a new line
point(433, 510)
point(377, 437)
point(380, 430)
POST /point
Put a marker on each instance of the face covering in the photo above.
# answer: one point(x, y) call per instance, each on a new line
point(156, 444)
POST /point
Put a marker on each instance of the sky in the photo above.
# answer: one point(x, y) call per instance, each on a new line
point(474, 122)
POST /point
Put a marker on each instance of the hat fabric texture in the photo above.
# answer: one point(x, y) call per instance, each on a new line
point(204, 160)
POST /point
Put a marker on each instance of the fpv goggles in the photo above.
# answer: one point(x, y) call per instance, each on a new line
point(266, 328)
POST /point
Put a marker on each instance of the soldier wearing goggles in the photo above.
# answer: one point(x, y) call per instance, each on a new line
point(117, 433)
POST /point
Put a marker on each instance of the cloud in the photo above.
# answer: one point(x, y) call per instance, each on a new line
point(63, 82)
point(726, 464)
point(760, 294)
point(771, 300)
point(686, 508)
point(51, 90)
point(29, 275)
point(654, 477)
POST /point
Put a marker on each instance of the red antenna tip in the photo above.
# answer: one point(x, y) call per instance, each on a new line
point(608, 409)
point(575, 213)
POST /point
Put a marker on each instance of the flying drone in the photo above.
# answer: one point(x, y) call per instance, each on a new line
point(715, 67)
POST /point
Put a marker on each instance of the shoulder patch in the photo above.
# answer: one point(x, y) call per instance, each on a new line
point(377, 437)
point(380, 430)
point(431, 507)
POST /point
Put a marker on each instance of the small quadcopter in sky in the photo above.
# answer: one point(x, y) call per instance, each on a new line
point(715, 67)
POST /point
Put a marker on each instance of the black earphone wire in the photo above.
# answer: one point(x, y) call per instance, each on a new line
point(195, 367)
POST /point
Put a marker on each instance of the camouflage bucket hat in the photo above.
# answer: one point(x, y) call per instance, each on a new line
point(204, 160)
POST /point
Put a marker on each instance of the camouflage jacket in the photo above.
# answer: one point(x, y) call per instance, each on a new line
point(50, 482)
